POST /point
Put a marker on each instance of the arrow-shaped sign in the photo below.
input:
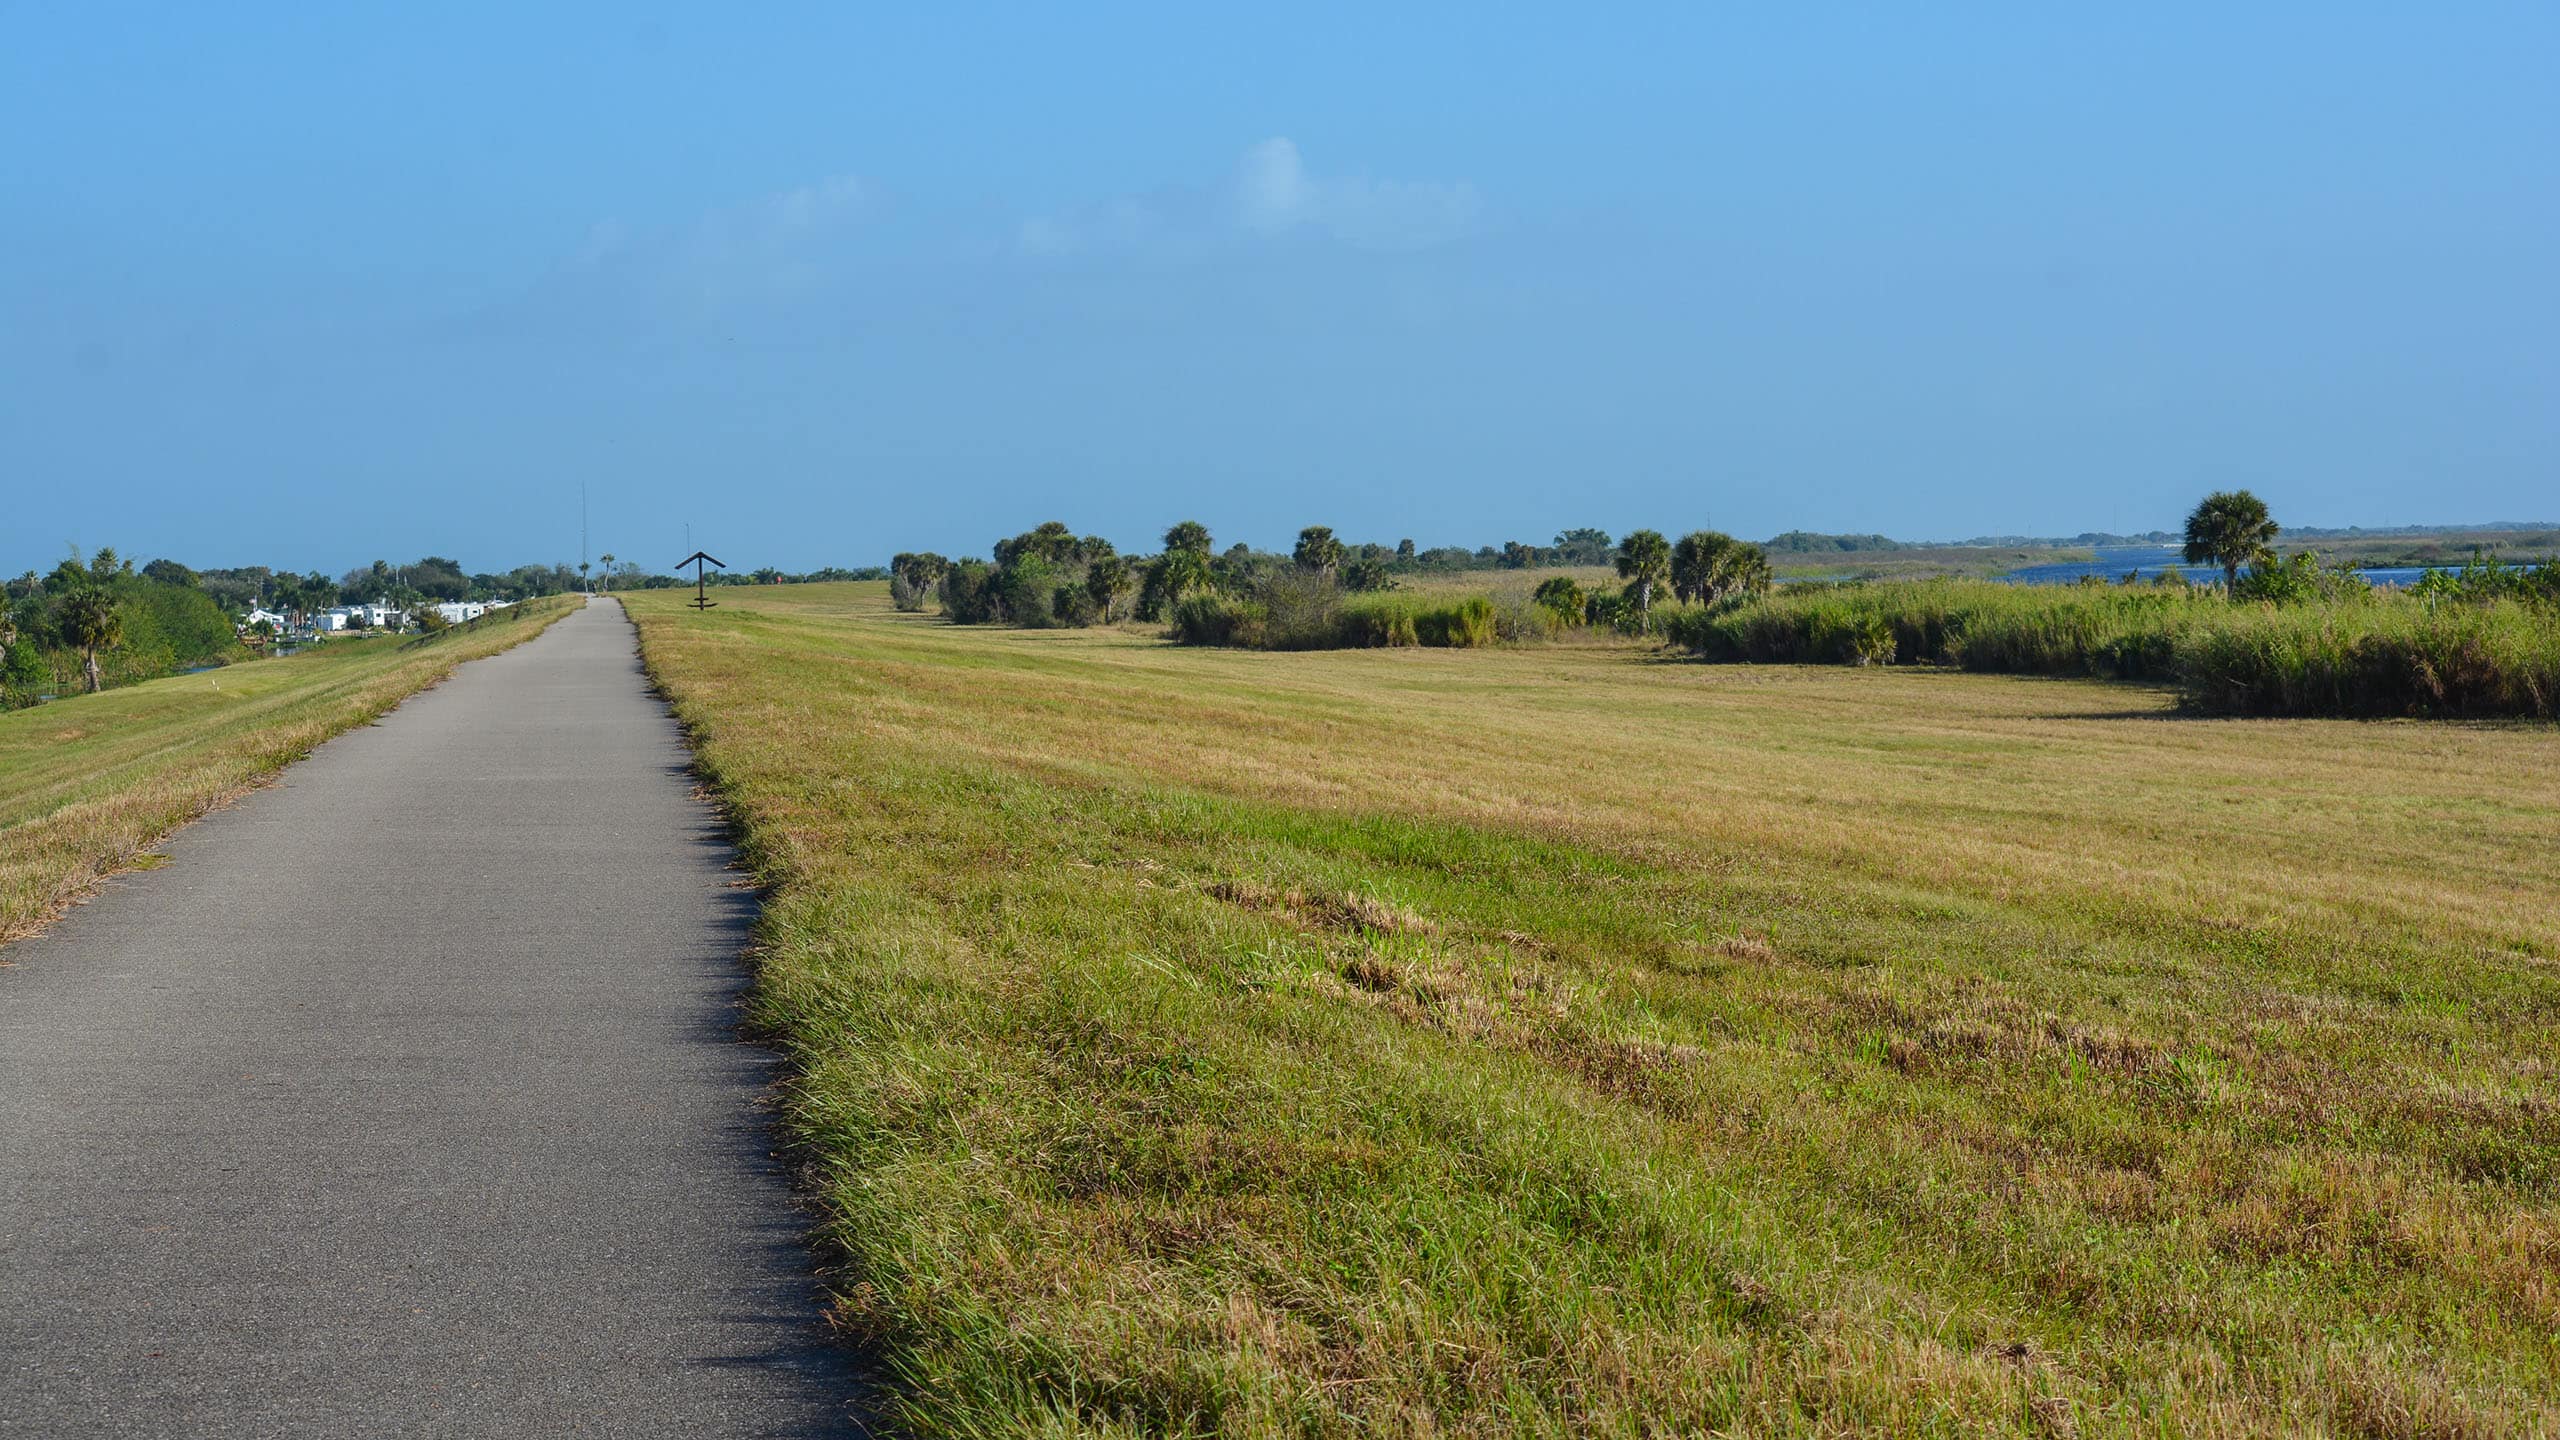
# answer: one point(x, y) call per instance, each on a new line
point(701, 598)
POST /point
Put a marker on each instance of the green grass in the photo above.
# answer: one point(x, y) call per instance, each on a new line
point(2379, 653)
point(1556, 1040)
point(1923, 562)
point(89, 782)
point(2445, 548)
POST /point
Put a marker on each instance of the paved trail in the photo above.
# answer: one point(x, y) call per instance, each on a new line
point(405, 1100)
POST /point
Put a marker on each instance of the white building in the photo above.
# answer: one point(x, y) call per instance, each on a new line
point(258, 613)
point(461, 612)
point(357, 617)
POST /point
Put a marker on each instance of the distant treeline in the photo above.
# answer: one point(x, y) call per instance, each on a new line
point(1323, 593)
point(88, 625)
point(1807, 542)
point(99, 622)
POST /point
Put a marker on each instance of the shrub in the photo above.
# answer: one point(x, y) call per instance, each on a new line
point(1302, 610)
point(1073, 605)
point(1518, 618)
point(1209, 618)
point(968, 595)
point(2300, 579)
point(1283, 616)
point(1615, 611)
point(1371, 621)
point(2471, 661)
point(1463, 625)
point(2349, 651)
point(1562, 597)
point(2482, 579)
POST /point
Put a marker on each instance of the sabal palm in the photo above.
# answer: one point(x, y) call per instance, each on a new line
point(2230, 528)
point(1644, 561)
point(1317, 549)
point(89, 621)
point(1698, 564)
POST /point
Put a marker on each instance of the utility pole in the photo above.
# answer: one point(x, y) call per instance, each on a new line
point(582, 539)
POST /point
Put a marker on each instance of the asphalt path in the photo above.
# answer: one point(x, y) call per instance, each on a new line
point(407, 1099)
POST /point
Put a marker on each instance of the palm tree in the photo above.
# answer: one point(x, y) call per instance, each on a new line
point(608, 572)
point(1644, 561)
point(1708, 565)
point(1317, 549)
point(89, 621)
point(2230, 528)
point(1697, 561)
point(1107, 581)
point(1747, 573)
point(1183, 567)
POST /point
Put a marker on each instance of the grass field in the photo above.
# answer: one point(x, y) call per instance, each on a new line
point(1920, 562)
point(1569, 1040)
point(89, 782)
point(2448, 548)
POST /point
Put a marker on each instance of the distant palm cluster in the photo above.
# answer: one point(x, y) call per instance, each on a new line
point(1324, 593)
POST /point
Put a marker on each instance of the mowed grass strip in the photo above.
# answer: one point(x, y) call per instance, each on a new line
point(1570, 1041)
point(89, 783)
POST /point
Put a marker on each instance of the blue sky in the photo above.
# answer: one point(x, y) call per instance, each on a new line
point(306, 286)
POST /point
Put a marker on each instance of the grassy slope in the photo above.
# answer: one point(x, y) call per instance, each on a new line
point(88, 782)
point(1559, 1039)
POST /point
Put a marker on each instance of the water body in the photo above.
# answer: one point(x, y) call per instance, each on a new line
point(2143, 562)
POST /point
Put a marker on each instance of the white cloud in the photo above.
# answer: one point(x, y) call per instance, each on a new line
point(1270, 187)
point(1268, 194)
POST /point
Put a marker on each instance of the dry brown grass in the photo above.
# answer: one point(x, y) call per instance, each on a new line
point(1568, 1040)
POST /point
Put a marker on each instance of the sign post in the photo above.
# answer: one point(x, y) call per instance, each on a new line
point(701, 598)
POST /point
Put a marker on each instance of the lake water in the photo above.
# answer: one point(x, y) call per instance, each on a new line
point(2115, 562)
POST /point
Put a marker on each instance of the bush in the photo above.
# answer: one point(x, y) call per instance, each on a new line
point(2500, 659)
point(1287, 615)
point(1073, 605)
point(1610, 609)
point(967, 596)
point(2300, 580)
point(1209, 618)
point(1517, 619)
point(1375, 621)
point(1562, 597)
point(1464, 625)
point(2343, 650)
point(1979, 625)
point(1302, 610)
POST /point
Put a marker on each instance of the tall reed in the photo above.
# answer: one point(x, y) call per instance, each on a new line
point(2369, 653)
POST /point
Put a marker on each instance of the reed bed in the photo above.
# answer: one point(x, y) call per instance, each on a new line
point(2373, 653)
